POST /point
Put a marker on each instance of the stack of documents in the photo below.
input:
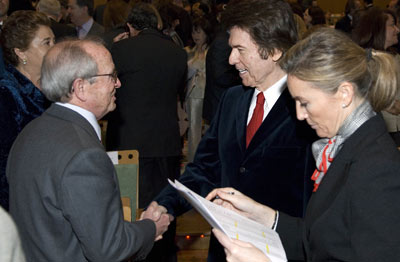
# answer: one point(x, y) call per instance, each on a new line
point(235, 225)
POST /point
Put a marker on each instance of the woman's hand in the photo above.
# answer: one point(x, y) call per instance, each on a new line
point(239, 251)
point(121, 36)
point(234, 200)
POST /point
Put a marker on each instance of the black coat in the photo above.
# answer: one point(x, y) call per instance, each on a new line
point(354, 215)
point(152, 72)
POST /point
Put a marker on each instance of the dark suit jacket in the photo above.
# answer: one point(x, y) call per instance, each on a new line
point(354, 215)
point(61, 30)
point(275, 169)
point(152, 70)
point(65, 196)
point(344, 24)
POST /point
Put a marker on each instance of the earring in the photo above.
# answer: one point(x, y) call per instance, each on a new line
point(344, 106)
point(24, 61)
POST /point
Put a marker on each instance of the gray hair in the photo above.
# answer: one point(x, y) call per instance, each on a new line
point(328, 58)
point(65, 62)
point(49, 7)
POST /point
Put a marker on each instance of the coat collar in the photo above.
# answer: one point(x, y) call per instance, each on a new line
point(73, 117)
point(275, 117)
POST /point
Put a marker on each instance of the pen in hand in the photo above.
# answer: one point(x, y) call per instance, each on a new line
point(230, 193)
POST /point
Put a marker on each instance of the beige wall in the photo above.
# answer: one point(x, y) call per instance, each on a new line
point(337, 6)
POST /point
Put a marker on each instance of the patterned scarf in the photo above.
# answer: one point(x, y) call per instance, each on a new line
point(325, 150)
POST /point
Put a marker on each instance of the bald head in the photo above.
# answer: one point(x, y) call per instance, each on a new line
point(82, 73)
point(65, 62)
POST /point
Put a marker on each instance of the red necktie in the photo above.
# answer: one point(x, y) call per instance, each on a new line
point(256, 119)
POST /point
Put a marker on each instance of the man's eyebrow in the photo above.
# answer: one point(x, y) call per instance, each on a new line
point(236, 46)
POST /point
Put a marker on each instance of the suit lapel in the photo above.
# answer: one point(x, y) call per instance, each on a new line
point(277, 115)
point(329, 188)
point(242, 111)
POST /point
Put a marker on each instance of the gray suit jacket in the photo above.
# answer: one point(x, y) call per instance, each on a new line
point(96, 30)
point(65, 196)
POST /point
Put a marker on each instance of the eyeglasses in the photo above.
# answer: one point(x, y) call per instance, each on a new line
point(113, 75)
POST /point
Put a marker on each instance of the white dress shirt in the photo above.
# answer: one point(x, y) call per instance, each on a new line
point(84, 29)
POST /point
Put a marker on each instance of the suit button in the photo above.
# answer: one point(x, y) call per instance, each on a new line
point(242, 170)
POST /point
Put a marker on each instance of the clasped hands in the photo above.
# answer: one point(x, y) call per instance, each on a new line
point(160, 217)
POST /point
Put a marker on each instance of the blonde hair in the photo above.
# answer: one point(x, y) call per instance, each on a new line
point(328, 58)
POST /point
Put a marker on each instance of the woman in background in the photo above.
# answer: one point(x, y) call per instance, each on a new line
point(26, 37)
point(338, 88)
point(114, 18)
point(201, 35)
point(378, 29)
point(313, 16)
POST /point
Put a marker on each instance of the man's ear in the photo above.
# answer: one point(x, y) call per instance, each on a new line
point(21, 54)
point(79, 89)
point(86, 9)
point(277, 55)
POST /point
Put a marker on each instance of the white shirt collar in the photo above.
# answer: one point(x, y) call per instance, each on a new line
point(271, 95)
point(89, 116)
point(273, 92)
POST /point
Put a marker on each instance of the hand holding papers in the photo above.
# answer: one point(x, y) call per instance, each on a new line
point(235, 225)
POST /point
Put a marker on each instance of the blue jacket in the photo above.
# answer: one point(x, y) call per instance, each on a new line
point(20, 102)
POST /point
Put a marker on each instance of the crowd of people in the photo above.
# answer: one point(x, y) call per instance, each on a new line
point(288, 119)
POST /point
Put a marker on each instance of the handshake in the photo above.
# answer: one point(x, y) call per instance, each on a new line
point(160, 217)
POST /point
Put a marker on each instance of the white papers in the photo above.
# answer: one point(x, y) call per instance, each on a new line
point(113, 155)
point(235, 225)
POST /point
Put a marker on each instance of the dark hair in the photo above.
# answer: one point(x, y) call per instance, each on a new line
point(317, 15)
point(115, 13)
point(269, 23)
point(143, 16)
point(297, 9)
point(370, 31)
point(18, 31)
point(205, 25)
point(88, 3)
point(328, 58)
point(350, 6)
point(169, 13)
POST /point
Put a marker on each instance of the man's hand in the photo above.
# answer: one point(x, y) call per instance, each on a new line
point(160, 217)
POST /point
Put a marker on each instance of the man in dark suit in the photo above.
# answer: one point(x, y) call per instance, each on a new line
point(345, 23)
point(255, 143)
point(64, 191)
point(152, 70)
point(81, 12)
point(52, 8)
